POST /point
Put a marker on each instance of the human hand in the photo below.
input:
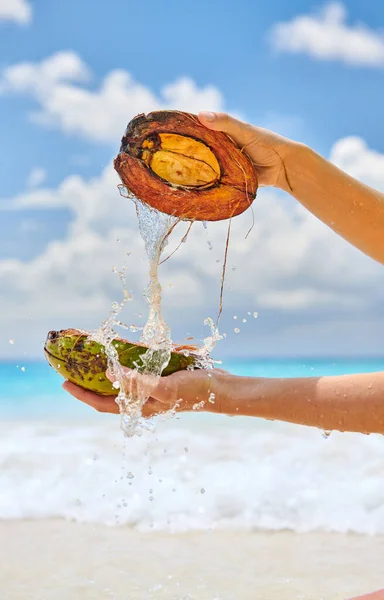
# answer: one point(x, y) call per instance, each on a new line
point(182, 391)
point(266, 149)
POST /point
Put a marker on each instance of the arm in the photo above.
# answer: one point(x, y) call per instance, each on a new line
point(374, 596)
point(353, 210)
point(344, 403)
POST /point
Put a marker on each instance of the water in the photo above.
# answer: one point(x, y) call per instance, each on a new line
point(155, 229)
point(58, 458)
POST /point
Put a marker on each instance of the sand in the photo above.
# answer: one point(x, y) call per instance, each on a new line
point(57, 560)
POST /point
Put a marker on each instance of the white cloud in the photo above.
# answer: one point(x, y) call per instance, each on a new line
point(328, 36)
point(18, 11)
point(57, 85)
point(38, 79)
point(290, 261)
point(36, 177)
point(353, 155)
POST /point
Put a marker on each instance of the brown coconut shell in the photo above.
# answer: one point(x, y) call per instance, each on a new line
point(170, 161)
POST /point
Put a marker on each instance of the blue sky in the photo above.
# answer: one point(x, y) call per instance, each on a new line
point(322, 86)
point(219, 43)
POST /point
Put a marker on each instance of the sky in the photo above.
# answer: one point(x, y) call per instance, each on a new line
point(72, 74)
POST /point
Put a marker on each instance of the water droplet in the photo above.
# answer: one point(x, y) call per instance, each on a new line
point(130, 475)
point(255, 314)
point(233, 267)
point(249, 313)
point(236, 330)
point(235, 317)
point(116, 385)
point(202, 491)
point(150, 471)
point(96, 457)
point(325, 434)
point(125, 192)
point(244, 320)
point(11, 341)
point(186, 449)
point(171, 285)
point(198, 405)
point(22, 369)
point(211, 398)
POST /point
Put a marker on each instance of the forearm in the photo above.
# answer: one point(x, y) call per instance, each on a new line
point(344, 403)
point(352, 209)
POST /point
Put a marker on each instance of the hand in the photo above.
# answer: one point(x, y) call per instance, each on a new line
point(182, 391)
point(266, 149)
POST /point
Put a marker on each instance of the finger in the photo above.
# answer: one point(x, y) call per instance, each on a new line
point(242, 133)
point(100, 403)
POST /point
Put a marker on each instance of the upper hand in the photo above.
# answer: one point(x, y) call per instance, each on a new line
point(266, 149)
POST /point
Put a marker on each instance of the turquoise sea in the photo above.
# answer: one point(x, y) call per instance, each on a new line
point(32, 390)
point(60, 459)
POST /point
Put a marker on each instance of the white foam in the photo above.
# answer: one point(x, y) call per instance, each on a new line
point(234, 474)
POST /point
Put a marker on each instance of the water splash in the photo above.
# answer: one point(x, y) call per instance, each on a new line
point(155, 229)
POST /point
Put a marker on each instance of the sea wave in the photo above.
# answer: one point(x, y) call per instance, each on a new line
point(197, 474)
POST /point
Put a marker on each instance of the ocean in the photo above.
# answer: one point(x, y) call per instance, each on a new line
point(60, 459)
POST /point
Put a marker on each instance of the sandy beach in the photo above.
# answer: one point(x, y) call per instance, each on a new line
point(57, 560)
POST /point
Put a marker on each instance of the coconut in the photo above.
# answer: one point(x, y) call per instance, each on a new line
point(171, 162)
point(84, 362)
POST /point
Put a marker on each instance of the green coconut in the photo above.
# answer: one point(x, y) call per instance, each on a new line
point(84, 362)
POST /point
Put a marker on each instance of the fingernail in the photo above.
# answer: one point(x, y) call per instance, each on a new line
point(207, 116)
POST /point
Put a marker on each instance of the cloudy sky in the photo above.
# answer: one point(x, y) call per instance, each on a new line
point(72, 74)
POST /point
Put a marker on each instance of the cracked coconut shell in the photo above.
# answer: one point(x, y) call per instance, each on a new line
point(84, 362)
point(170, 161)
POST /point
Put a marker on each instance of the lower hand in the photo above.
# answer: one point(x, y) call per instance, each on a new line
point(182, 391)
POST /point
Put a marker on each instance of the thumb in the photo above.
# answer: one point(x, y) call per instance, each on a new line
point(242, 133)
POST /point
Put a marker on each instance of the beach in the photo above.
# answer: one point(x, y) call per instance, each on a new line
point(59, 560)
point(202, 507)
